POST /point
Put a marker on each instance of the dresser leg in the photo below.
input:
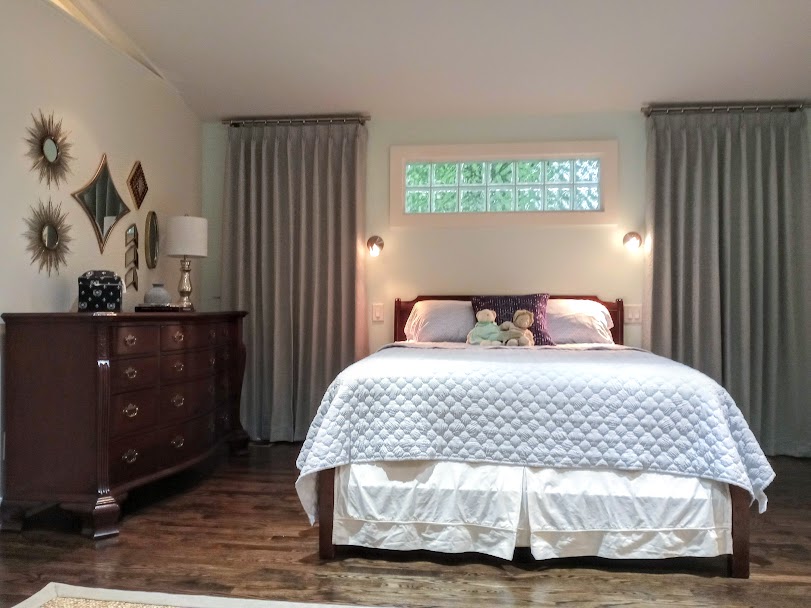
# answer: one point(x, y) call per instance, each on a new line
point(12, 514)
point(99, 520)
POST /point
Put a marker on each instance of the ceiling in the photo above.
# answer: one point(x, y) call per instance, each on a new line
point(468, 58)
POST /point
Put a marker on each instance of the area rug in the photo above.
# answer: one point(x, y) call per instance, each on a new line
point(59, 595)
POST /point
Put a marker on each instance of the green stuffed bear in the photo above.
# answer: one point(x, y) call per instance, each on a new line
point(485, 331)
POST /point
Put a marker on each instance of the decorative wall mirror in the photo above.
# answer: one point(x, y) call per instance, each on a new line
point(102, 203)
point(132, 278)
point(131, 257)
point(137, 183)
point(48, 236)
point(151, 243)
point(48, 149)
point(131, 236)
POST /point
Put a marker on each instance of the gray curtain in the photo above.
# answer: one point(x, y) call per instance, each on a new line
point(293, 222)
point(728, 286)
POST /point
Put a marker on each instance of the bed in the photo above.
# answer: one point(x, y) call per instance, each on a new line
point(377, 446)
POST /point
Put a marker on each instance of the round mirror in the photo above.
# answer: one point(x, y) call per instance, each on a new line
point(49, 149)
point(152, 240)
point(50, 237)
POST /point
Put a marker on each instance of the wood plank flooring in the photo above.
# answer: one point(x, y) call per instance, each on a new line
point(239, 530)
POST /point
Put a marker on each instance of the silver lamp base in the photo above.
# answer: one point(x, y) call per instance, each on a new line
point(184, 286)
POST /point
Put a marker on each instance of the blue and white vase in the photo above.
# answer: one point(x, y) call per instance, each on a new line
point(157, 295)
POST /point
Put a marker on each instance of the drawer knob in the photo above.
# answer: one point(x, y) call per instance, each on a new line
point(131, 411)
point(130, 373)
point(178, 441)
point(178, 337)
point(212, 333)
point(178, 400)
point(130, 456)
point(130, 340)
point(179, 367)
point(211, 389)
point(212, 360)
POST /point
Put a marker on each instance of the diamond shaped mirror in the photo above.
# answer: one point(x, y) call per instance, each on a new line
point(102, 203)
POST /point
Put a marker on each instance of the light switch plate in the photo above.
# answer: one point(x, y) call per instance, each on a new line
point(633, 314)
point(377, 312)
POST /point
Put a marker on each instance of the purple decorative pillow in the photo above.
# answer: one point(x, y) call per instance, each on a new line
point(505, 307)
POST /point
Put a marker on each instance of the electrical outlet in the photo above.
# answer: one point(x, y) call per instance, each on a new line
point(377, 312)
point(633, 314)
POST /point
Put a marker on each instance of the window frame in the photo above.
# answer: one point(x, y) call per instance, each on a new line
point(607, 151)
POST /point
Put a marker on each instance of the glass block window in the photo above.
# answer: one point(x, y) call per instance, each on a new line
point(503, 186)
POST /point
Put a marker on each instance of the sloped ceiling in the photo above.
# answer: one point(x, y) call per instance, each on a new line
point(434, 58)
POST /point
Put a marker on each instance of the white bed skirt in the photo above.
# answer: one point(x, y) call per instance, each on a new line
point(455, 507)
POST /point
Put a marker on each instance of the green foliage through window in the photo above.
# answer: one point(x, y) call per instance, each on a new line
point(500, 186)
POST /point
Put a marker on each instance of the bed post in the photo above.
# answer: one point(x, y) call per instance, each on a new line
point(326, 509)
point(738, 562)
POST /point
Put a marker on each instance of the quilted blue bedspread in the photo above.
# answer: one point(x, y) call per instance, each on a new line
point(599, 406)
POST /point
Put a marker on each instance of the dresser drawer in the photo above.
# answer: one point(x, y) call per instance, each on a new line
point(184, 441)
point(131, 412)
point(226, 359)
point(129, 374)
point(225, 333)
point(135, 340)
point(179, 336)
point(222, 388)
point(188, 365)
point(134, 457)
point(222, 423)
point(186, 400)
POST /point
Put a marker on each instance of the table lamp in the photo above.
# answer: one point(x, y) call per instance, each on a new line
point(186, 237)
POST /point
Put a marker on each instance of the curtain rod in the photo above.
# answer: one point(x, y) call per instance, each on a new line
point(294, 119)
point(745, 106)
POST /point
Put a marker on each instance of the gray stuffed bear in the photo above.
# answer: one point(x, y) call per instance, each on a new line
point(518, 330)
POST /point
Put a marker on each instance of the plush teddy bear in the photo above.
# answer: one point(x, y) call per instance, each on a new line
point(485, 331)
point(518, 330)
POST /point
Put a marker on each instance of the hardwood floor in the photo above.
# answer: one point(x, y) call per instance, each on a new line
point(240, 531)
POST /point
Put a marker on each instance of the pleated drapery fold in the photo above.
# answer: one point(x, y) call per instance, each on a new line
point(728, 286)
point(293, 222)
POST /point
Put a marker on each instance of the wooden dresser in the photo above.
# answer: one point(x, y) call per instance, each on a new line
point(97, 404)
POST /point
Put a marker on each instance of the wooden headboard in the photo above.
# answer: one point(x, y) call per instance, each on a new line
point(402, 308)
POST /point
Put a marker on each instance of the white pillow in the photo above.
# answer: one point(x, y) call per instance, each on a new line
point(440, 321)
point(578, 322)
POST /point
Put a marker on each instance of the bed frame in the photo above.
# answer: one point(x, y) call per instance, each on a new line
point(402, 308)
point(737, 562)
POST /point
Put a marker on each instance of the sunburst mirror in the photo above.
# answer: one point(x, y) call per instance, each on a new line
point(48, 236)
point(49, 149)
point(102, 203)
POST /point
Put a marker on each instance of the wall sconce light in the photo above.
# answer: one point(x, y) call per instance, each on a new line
point(375, 245)
point(632, 241)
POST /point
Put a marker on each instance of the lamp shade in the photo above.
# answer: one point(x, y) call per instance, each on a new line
point(186, 237)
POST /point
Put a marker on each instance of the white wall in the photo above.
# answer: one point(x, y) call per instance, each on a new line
point(558, 259)
point(214, 138)
point(523, 259)
point(109, 104)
